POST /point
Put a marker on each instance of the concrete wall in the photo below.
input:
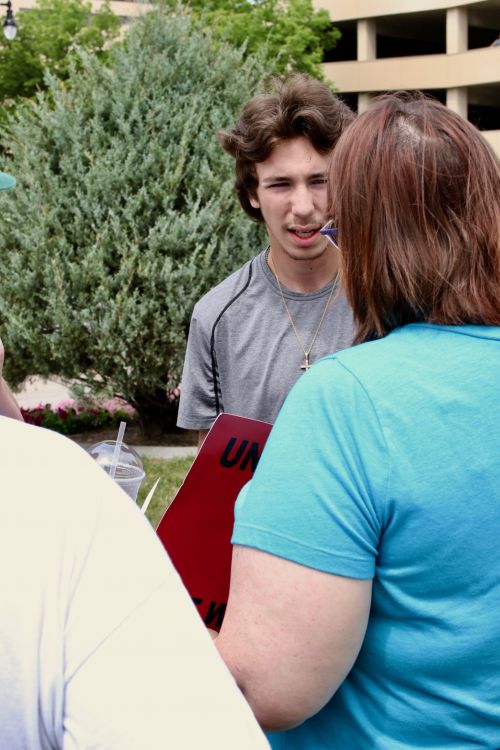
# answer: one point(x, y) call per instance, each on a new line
point(346, 10)
point(477, 66)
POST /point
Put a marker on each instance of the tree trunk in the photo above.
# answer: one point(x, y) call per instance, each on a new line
point(157, 413)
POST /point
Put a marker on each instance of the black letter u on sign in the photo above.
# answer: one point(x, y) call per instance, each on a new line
point(225, 460)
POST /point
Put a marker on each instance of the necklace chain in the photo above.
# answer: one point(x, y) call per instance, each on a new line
point(305, 365)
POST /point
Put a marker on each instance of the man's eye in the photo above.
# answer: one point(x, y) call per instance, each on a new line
point(320, 181)
point(278, 185)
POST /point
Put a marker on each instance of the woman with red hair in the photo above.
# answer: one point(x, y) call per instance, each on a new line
point(365, 590)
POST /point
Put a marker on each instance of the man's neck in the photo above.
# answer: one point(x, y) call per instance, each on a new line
point(304, 275)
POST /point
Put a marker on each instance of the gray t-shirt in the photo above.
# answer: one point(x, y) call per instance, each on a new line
point(242, 355)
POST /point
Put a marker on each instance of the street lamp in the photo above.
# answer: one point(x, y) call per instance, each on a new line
point(9, 25)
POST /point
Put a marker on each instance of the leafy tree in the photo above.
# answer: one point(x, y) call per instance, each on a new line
point(46, 40)
point(294, 34)
point(124, 213)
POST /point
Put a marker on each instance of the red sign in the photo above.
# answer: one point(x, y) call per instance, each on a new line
point(196, 529)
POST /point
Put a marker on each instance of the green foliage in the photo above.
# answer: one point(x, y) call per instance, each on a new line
point(124, 213)
point(294, 34)
point(47, 37)
point(171, 473)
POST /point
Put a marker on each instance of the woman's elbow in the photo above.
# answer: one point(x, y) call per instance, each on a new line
point(278, 710)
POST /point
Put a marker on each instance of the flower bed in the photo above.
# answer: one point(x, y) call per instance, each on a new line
point(69, 418)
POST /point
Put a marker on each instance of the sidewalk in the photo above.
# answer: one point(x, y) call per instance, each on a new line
point(165, 451)
point(39, 391)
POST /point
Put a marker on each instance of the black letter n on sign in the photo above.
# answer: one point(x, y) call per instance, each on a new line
point(251, 457)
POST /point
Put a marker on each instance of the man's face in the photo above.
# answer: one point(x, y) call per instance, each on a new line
point(291, 195)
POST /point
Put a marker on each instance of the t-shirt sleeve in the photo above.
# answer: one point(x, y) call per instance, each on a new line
point(197, 406)
point(318, 493)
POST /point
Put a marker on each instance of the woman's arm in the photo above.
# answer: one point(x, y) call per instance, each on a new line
point(290, 634)
point(8, 404)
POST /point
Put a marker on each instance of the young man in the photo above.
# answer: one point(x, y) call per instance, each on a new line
point(253, 335)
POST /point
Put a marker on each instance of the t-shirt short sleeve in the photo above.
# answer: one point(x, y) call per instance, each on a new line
point(197, 406)
point(317, 497)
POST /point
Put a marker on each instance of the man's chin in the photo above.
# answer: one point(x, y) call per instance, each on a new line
point(305, 254)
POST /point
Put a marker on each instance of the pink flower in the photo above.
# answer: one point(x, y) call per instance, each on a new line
point(64, 406)
point(118, 404)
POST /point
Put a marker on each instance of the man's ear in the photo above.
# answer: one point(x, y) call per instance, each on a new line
point(253, 201)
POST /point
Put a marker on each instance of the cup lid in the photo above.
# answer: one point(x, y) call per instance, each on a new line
point(129, 461)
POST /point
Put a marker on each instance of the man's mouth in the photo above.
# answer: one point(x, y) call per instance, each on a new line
point(304, 234)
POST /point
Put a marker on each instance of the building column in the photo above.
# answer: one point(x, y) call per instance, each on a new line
point(364, 102)
point(457, 37)
point(367, 50)
point(457, 100)
point(367, 40)
point(457, 41)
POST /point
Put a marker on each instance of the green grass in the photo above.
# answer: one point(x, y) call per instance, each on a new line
point(171, 472)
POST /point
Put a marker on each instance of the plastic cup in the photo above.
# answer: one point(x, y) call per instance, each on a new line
point(129, 471)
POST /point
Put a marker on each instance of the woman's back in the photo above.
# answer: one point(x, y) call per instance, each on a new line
point(428, 674)
point(414, 502)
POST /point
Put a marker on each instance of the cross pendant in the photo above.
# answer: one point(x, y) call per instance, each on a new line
point(305, 364)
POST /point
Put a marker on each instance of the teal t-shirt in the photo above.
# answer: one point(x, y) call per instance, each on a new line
point(384, 463)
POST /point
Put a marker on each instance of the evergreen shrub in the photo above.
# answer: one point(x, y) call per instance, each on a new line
point(124, 213)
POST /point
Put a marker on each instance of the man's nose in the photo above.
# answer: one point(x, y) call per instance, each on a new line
point(302, 201)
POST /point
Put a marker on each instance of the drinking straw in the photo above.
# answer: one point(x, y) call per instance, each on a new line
point(118, 447)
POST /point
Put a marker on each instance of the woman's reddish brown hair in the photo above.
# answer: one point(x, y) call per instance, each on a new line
point(415, 192)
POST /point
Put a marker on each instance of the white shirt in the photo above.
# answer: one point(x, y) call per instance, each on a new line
point(100, 645)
